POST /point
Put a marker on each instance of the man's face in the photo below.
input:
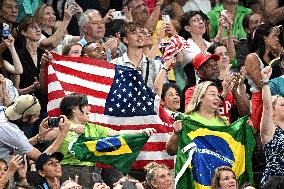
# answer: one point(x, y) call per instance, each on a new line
point(139, 10)
point(95, 29)
point(209, 70)
point(10, 10)
point(51, 169)
point(135, 38)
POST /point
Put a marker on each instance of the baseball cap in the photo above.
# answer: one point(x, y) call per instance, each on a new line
point(202, 57)
point(44, 157)
point(24, 105)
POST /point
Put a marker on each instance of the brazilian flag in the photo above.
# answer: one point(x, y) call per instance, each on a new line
point(204, 148)
point(118, 151)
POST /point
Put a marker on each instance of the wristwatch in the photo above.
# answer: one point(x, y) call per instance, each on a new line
point(263, 83)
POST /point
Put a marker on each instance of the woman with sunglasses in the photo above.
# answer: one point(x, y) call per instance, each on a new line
point(272, 129)
point(77, 109)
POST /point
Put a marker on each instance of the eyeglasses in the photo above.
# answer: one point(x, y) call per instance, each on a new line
point(34, 102)
point(34, 27)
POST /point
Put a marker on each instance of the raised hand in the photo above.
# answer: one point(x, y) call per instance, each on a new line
point(177, 126)
point(9, 42)
point(266, 73)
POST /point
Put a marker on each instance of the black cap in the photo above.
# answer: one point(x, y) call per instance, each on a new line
point(44, 157)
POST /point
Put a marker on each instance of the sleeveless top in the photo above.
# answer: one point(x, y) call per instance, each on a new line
point(274, 156)
point(253, 86)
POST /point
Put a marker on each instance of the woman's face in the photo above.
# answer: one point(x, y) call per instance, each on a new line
point(227, 180)
point(196, 25)
point(33, 33)
point(210, 99)
point(82, 116)
point(272, 40)
point(49, 17)
point(279, 108)
point(3, 168)
point(75, 51)
point(163, 179)
point(224, 60)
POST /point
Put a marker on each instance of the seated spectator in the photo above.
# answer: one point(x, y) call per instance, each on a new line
point(72, 50)
point(271, 129)
point(53, 35)
point(8, 93)
point(203, 108)
point(26, 108)
point(7, 171)
point(224, 177)
point(49, 168)
point(76, 108)
point(158, 176)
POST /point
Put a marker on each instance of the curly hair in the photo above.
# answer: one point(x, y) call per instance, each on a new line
point(150, 171)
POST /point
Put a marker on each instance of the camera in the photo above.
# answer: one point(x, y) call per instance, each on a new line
point(54, 121)
point(5, 31)
point(166, 18)
point(118, 15)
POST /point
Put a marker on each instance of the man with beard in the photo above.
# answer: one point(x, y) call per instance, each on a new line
point(132, 35)
point(206, 67)
point(141, 15)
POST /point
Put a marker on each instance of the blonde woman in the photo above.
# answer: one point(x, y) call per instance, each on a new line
point(203, 108)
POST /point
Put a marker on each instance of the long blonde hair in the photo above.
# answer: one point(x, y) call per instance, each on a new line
point(198, 93)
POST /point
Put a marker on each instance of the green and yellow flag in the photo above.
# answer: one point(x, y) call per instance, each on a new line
point(118, 151)
point(203, 148)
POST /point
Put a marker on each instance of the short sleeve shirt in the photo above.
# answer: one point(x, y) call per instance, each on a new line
point(92, 130)
point(12, 137)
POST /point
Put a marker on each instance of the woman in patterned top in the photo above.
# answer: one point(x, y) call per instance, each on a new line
point(271, 129)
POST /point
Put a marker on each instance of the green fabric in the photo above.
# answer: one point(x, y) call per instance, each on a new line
point(213, 122)
point(27, 8)
point(238, 30)
point(214, 150)
point(92, 130)
point(117, 151)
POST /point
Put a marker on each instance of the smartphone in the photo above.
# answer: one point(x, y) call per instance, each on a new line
point(166, 18)
point(5, 31)
point(118, 15)
point(54, 121)
point(69, 2)
point(16, 152)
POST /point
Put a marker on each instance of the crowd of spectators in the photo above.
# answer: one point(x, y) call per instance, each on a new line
point(231, 66)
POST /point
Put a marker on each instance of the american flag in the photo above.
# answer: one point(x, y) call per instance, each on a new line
point(118, 97)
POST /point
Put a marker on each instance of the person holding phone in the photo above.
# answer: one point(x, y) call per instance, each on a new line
point(77, 109)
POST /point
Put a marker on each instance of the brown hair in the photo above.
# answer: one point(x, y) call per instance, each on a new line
point(215, 184)
point(28, 20)
point(68, 47)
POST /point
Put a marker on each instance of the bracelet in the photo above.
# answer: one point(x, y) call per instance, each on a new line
point(163, 68)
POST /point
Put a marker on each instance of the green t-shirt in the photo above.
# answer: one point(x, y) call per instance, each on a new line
point(212, 122)
point(92, 130)
point(238, 30)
